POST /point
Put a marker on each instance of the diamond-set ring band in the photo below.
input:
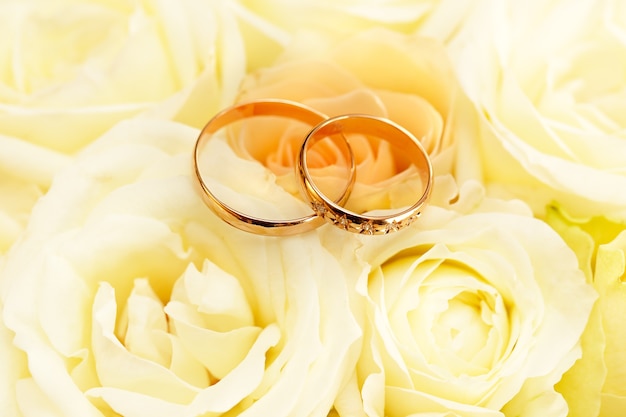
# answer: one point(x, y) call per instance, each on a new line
point(373, 126)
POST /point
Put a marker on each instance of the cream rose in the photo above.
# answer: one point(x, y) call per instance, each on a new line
point(128, 297)
point(595, 385)
point(413, 86)
point(548, 83)
point(74, 68)
point(476, 310)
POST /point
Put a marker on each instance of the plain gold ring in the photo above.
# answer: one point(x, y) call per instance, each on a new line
point(264, 107)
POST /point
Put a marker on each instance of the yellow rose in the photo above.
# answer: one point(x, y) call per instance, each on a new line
point(128, 297)
point(413, 86)
point(470, 312)
point(548, 81)
point(595, 385)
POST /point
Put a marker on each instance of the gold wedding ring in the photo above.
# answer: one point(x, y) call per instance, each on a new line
point(265, 107)
point(372, 126)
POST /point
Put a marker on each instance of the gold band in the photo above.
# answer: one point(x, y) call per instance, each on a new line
point(375, 127)
point(266, 107)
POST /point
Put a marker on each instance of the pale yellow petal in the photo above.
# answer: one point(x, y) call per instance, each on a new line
point(119, 368)
point(14, 367)
point(609, 280)
point(219, 351)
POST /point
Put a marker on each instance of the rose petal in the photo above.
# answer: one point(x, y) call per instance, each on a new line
point(119, 368)
point(14, 365)
point(145, 331)
point(609, 280)
point(406, 402)
point(217, 398)
point(218, 296)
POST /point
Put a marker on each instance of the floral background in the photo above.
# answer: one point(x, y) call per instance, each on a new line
point(122, 294)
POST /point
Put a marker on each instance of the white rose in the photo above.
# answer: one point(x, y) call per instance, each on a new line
point(548, 82)
point(476, 310)
point(127, 296)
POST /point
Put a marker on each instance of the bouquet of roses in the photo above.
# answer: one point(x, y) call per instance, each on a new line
point(146, 266)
